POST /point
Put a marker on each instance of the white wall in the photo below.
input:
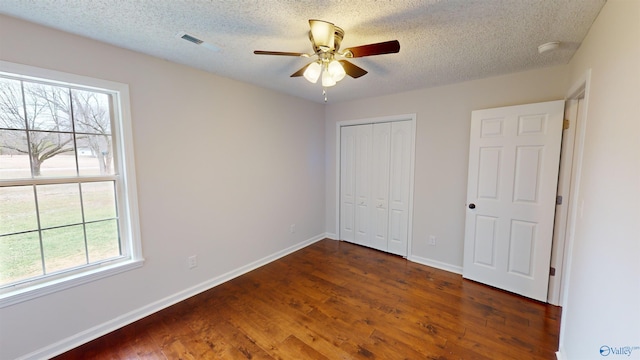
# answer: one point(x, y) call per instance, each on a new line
point(442, 150)
point(603, 299)
point(223, 169)
point(239, 177)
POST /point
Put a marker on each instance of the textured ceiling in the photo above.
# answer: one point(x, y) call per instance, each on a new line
point(442, 41)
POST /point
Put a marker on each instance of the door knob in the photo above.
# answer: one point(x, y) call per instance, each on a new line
point(472, 206)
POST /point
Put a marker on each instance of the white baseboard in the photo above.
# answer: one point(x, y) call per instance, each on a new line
point(95, 332)
point(331, 236)
point(560, 355)
point(436, 264)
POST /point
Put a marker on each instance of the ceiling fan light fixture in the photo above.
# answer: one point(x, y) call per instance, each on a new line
point(330, 63)
point(312, 73)
point(327, 79)
point(336, 70)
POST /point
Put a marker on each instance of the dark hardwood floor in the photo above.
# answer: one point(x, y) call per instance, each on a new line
point(335, 300)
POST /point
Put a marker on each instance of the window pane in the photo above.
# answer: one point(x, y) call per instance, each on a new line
point(14, 155)
point(18, 210)
point(91, 112)
point(59, 205)
point(47, 107)
point(95, 155)
point(19, 257)
point(63, 248)
point(11, 107)
point(52, 154)
point(59, 161)
point(98, 201)
point(102, 240)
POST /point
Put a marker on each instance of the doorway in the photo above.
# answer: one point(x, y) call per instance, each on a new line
point(569, 177)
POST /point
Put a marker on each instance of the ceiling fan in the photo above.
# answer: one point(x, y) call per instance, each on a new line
point(330, 64)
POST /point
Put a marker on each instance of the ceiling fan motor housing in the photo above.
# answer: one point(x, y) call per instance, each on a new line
point(338, 35)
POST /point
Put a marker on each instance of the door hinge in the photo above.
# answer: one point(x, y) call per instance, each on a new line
point(559, 200)
point(565, 124)
point(552, 271)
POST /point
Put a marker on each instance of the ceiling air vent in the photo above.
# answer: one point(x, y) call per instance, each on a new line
point(190, 38)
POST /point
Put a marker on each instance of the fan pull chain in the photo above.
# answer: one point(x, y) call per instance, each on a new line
point(324, 93)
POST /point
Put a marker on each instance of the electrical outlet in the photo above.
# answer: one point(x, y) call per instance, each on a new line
point(292, 228)
point(192, 261)
point(432, 240)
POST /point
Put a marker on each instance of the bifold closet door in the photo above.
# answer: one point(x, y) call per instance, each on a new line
point(399, 187)
point(355, 189)
point(379, 214)
point(364, 162)
point(347, 183)
point(374, 185)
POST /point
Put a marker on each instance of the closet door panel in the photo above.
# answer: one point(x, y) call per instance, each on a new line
point(400, 171)
point(363, 161)
point(347, 183)
point(380, 185)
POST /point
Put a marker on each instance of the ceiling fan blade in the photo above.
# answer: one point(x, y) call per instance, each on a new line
point(281, 53)
point(323, 34)
point(387, 47)
point(301, 71)
point(352, 70)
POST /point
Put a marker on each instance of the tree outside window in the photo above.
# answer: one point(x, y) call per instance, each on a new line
point(57, 179)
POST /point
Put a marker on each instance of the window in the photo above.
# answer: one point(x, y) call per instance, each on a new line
point(68, 210)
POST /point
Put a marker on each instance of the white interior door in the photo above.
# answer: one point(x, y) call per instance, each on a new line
point(513, 171)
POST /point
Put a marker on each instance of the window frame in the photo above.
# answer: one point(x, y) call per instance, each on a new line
point(125, 188)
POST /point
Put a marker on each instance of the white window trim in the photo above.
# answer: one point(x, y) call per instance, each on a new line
point(127, 195)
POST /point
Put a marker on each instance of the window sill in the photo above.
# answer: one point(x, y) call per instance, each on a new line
point(31, 292)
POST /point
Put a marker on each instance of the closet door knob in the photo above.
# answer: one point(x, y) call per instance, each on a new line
point(472, 206)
